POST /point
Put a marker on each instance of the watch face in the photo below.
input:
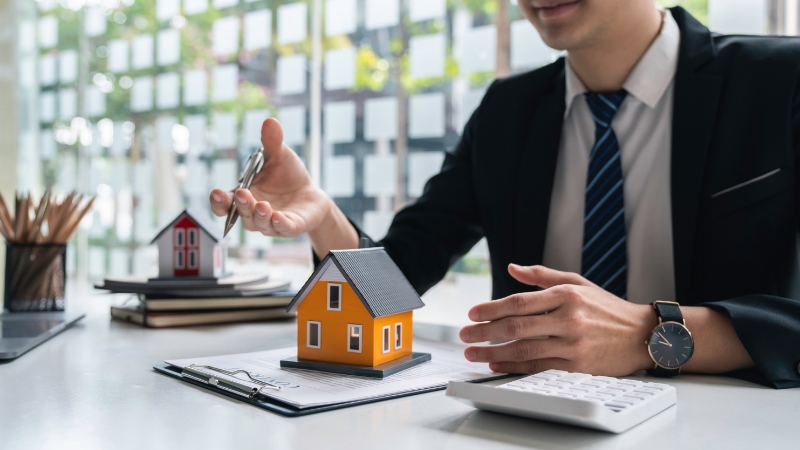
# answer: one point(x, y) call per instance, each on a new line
point(671, 345)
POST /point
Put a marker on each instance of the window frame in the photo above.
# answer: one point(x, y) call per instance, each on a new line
point(180, 237)
point(189, 254)
point(398, 335)
point(180, 259)
point(191, 238)
point(360, 328)
point(386, 336)
point(308, 333)
point(328, 304)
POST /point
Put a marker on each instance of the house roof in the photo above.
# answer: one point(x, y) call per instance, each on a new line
point(375, 278)
point(202, 220)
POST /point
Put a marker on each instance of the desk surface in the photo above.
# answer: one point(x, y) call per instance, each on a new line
point(93, 387)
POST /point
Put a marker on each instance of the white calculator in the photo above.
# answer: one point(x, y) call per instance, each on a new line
point(603, 403)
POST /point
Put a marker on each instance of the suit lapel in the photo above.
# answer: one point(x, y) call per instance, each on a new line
point(694, 113)
point(536, 175)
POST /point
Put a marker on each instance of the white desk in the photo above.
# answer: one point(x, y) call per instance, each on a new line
point(93, 387)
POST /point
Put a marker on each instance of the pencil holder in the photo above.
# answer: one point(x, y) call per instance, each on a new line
point(35, 277)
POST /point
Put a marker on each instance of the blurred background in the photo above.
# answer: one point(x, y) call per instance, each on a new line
point(149, 104)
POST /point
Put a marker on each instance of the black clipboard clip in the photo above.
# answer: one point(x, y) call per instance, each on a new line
point(237, 387)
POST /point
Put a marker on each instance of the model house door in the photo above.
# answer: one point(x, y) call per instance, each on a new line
point(186, 248)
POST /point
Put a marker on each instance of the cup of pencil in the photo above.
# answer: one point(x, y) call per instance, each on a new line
point(36, 249)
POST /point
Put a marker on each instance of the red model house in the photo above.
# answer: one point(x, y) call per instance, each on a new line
point(191, 246)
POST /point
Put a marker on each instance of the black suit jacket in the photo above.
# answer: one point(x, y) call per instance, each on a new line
point(736, 118)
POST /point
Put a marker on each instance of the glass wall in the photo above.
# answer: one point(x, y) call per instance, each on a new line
point(149, 104)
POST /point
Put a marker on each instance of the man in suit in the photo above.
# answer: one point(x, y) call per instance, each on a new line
point(657, 161)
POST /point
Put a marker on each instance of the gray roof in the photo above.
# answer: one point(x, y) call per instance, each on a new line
point(375, 278)
point(202, 219)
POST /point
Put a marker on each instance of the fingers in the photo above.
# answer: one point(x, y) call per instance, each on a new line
point(522, 304)
point(545, 277)
point(245, 204)
point(271, 137)
point(220, 202)
point(286, 223)
point(518, 351)
point(262, 218)
point(518, 327)
point(532, 366)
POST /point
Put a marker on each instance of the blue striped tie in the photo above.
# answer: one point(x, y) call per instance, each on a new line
point(604, 256)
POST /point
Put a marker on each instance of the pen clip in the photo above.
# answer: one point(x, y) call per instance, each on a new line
point(193, 372)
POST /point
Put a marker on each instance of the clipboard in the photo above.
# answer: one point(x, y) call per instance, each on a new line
point(285, 409)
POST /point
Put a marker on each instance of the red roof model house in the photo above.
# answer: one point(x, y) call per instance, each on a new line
point(191, 246)
point(354, 316)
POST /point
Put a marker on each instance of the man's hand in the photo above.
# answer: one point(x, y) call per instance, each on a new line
point(589, 329)
point(283, 200)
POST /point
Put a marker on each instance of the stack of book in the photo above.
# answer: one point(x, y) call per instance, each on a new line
point(172, 302)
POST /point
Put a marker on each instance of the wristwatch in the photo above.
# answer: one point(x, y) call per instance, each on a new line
point(670, 344)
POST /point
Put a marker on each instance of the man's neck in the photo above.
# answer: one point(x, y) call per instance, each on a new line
point(604, 65)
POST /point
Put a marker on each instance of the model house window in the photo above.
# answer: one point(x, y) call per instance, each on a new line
point(192, 258)
point(386, 339)
point(179, 237)
point(354, 338)
point(192, 237)
point(313, 334)
point(398, 335)
point(335, 297)
point(180, 262)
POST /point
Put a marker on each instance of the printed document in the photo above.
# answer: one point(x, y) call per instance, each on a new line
point(306, 388)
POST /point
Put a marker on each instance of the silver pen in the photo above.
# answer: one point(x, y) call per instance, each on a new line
point(252, 166)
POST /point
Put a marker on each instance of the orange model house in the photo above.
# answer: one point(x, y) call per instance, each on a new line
point(355, 310)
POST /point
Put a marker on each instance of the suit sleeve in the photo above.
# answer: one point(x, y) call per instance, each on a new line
point(769, 326)
point(428, 236)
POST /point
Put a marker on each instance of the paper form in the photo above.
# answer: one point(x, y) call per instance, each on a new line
point(304, 388)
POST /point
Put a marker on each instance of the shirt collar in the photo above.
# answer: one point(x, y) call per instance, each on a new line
point(650, 76)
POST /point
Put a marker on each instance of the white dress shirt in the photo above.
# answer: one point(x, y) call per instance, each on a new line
point(643, 125)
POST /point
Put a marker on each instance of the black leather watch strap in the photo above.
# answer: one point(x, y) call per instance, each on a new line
point(668, 312)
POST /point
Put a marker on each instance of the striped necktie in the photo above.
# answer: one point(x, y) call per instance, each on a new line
point(604, 255)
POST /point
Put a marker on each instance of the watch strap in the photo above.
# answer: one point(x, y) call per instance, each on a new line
point(668, 312)
point(659, 371)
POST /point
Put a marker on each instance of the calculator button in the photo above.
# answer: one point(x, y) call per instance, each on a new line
point(606, 380)
point(622, 387)
point(559, 384)
point(543, 376)
point(542, 390)
point(516, 384)
point(529, 380)
point(575, 392)
point(583, 387)
point(599, 394)
point(658, 386)
point(574, 377)
point(593, 384)
point(630, 382)
point(566, 394)
point(609, 391)
point(645, 390)
point(597, 397)
point(553, 372)
point(628, 398)
point(641, 395)
point(625, 401)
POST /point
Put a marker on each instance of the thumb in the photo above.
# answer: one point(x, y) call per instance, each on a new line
point(271, 137)
point(545, 277)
